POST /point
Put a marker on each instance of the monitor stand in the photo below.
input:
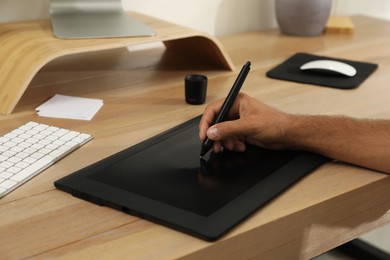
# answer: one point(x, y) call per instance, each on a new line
point(80, 19)
point(28, 46)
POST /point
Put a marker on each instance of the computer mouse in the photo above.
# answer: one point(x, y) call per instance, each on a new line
point(329, 66)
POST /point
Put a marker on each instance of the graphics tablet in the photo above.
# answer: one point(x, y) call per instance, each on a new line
point(164, 180)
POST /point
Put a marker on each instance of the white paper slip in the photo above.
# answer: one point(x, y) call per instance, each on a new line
point(61, 106)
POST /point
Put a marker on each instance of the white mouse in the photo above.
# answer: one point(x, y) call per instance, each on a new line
point(331, 66)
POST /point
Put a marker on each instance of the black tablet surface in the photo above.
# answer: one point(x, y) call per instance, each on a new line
point(164, 180)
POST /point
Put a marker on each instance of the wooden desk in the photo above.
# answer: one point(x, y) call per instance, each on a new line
point(143, 95)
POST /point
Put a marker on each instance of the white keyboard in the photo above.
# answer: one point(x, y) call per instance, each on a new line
point(28, 150)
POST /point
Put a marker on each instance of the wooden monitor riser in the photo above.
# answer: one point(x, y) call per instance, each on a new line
point(25, 47)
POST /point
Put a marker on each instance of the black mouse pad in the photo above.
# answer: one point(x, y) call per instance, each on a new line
point(290, 70)
point(164, 180)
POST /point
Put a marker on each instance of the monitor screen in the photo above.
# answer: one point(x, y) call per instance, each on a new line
point(94, 19)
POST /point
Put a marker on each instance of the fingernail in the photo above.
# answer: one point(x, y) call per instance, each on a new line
point(213, 133)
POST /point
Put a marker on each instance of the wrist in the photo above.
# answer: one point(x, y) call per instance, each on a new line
point(302, 133)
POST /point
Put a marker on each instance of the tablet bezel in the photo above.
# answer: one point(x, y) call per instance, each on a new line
point(209, 228)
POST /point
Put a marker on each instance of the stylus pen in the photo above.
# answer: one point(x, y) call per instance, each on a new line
point(227, 105)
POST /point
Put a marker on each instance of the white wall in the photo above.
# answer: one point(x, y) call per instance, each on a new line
point(217, 17)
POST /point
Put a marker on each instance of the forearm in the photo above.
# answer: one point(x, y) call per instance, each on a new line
point(361, 142)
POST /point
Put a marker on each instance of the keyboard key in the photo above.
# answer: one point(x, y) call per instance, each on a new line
point(37, 146)
point(8, 153)
point(84, 136)
point(22, 155)
point(57, 153)
point(25, 144)
point(14, 159)
point(5, 175)
point(29, 160)
point(10, 135)
point(6, 164)
point(38, 136)
point(17, 149)
point(32, 124)
point(25, 128)
point(69, 136)
point(13, 170)
point(8, 184)
point(22, 165)
point(32, 140)
point(40, 127)
point(32, 132)
point(4, 139)
point(4, 148)
point(24, 136)
point(17, 131)
point(60, 132)
point(39, 165)
point(52, 128)
point(10, 144)
point(44, 142)
point(59, 142)
point(37, 155)
point(46, 132)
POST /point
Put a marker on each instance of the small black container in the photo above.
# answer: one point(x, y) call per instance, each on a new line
point(195, 89)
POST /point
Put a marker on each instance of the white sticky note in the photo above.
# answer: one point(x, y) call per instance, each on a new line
point(61, 106)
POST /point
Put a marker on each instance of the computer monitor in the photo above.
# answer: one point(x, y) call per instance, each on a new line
point(75, 19)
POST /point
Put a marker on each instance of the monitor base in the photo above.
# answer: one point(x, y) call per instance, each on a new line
point(81, 19)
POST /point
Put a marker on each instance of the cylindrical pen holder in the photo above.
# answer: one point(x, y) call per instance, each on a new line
point(195, 89)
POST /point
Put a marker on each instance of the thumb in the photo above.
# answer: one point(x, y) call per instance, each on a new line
point(224, 130)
